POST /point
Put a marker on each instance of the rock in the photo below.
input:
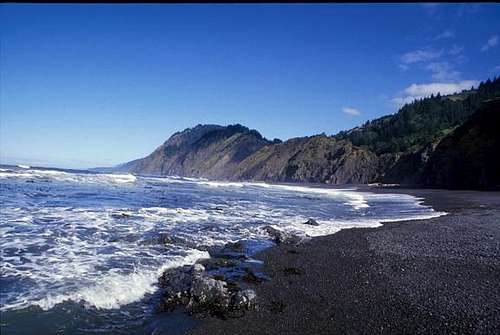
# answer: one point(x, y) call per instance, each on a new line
point(311, 222)
point(251, 277)
point(233, 247)
point(177, 285)
point(160, 239)
point(283, 237)
point(164, 239)
point(198, 268)
point(214, 263)
point(198, 291)
point(208, 293)
point(292, 271)
point(121, 215)
point(244, 299)
point(231, 250)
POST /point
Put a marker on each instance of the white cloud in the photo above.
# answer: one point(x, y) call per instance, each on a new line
point(418, 56)
point(419, 91)
point(351, 111)
point(401, 101)
point(445, 34)
point(404, 67)
point(443, 88)
point(443, 71)
point(492, 42)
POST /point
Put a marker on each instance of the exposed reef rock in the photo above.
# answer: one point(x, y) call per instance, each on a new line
point(311, 222)
point(285, 237)
point(196, 290)
point(219, 286)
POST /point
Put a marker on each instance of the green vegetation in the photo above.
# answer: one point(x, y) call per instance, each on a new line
point(421, 122)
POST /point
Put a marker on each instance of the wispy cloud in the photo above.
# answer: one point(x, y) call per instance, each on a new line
point(492, 42)
point(351, 111)
point(419, 56)
point(419, 91)
point(443, 71)
point(445, 34)
point(442, 68)
point(456, 50)
point(404, 67)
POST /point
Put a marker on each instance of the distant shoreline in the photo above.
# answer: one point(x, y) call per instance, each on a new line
point(419, 276)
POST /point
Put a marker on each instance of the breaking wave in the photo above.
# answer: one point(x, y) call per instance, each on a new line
point(92, 238)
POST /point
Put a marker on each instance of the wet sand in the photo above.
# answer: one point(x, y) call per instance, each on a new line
point(433, 276)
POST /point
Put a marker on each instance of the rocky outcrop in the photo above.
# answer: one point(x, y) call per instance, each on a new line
point(192, 287)
point(285, 237)
point(311, 222)
point(221, 285)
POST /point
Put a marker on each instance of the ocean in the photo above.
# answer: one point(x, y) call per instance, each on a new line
point(81, 251)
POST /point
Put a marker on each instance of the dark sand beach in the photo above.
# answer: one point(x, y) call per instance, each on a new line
point(436, 276)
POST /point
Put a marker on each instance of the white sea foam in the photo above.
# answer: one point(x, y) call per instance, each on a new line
point(353, 198)
point(115, 289)
point(121, 178)
point(220, 184)
point(62, 176)
point(64, 244)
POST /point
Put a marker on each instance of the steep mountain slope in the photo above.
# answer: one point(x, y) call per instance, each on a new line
point(310, 159)
point(203, 151)
point(408, 147)
point(404, 141)
point(469, 157)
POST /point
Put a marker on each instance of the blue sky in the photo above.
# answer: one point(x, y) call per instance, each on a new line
point(97, 85)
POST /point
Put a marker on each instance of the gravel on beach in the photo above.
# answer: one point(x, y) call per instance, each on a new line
point(435, 276)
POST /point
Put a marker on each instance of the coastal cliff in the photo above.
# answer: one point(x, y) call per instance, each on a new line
point(440, 141)
point(469, 156)
point(209, 151)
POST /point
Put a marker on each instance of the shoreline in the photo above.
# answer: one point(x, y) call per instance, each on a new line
point(435, 275)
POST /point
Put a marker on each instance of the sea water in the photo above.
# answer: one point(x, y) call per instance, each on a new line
point(80, 251)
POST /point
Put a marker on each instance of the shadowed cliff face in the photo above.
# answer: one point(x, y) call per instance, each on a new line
point(470, 156)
